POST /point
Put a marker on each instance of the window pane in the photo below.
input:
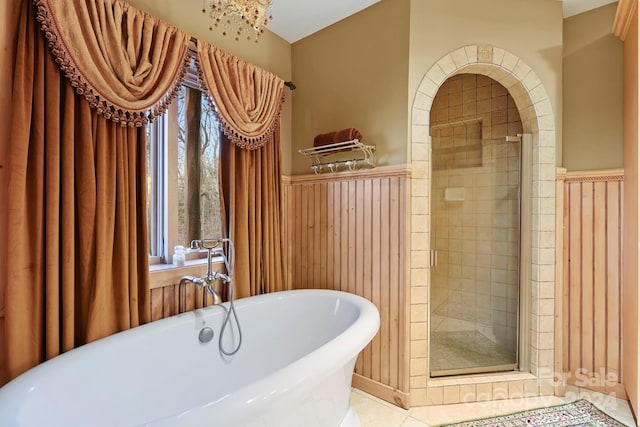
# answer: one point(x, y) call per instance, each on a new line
point(182, 157)
point(150, 207)
point(211, 224)
point(154, 188)
point(198, 152)
point(182, 145)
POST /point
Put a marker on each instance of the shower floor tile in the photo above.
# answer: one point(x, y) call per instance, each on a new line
point(466, 350)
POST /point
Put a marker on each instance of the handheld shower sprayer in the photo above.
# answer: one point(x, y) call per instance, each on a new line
point(216, 247)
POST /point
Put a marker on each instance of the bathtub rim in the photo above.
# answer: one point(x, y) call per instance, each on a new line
point(331, 355)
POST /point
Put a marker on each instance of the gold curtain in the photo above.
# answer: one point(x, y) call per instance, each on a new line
point(125, 62)
point(76, 223)
point(76, 197)
point(247, 99)
point(250, 181)
point(8, 35)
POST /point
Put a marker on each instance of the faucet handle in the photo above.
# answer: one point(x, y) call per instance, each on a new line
point(207, 244)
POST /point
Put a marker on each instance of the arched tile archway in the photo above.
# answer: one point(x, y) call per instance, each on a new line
point(538, 223)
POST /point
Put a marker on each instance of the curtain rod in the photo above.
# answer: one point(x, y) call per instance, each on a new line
point(192, 47)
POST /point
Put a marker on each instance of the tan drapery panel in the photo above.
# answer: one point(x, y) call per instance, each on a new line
point(77, 236)
point(8, 36)
point(126, 63)
point(247, 99)
point(250, 181)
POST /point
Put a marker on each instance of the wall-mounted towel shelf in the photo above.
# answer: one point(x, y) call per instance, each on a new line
point(335, 157)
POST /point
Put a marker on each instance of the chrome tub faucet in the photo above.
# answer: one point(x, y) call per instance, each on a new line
point(213, 247)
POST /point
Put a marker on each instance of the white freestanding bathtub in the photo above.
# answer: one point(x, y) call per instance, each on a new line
point(294, 368)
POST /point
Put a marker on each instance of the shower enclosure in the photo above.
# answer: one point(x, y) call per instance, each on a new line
point(475, 241)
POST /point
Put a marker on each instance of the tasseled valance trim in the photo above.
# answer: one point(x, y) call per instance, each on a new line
point(225, 92)
point(236, 137)
point(132, 65)
point(122, 114)
point(242, 141)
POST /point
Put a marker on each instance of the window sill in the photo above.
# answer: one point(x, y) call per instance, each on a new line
point(161, 275)
point(188, 264)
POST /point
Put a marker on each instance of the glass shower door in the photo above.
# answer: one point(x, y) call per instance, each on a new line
point(475, 244)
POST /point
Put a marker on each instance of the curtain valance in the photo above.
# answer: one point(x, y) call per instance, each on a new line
point(126, 63)
point(246, 98)
point(129, 65)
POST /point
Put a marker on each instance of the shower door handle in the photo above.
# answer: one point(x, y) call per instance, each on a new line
point(434, 258)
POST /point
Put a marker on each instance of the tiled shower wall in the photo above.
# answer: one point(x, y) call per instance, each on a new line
point(475, 209)
point(467, 97)
point(475, 282)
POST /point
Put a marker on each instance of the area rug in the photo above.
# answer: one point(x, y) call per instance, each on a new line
point(580, 413)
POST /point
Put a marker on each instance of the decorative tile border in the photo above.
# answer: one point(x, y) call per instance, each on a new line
point(536, 113)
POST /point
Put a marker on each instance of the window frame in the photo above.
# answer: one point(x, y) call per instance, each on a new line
point(157, 195)
point(164, 219)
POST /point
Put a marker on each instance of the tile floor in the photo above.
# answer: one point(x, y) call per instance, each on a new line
point(374, 412)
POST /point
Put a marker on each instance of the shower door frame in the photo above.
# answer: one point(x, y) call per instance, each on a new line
point(523, 312)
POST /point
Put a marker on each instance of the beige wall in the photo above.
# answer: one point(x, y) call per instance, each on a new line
point(271, 52)
point(590, 60)
point(592, 91)
point(354, 74)
point(529, 29)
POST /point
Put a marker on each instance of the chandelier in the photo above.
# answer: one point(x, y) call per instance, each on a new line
point(239, 17)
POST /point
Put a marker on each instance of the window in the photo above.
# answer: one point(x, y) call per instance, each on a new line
point(182, 175)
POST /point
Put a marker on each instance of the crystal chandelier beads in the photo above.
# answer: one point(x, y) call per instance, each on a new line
point(238, 17)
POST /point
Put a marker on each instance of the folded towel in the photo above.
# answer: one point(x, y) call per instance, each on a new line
point(348, 134)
